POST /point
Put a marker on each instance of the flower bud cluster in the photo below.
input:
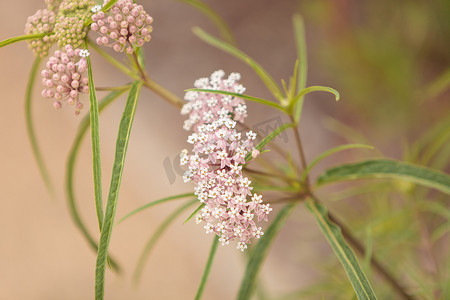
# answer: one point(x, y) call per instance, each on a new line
point(215, 165)
point(64, 77)
point(53, 4)
point(43, 21)
point(69, 28)
point(125, 26)
point(69, 31)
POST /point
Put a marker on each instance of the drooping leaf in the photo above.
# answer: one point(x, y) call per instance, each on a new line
point(95, 141)
point(247, 97)
point(30, 127)
point(343, 251)
point(384, 168)
point(70, 166)
point(22, 38)
point(329, 152)
point(224, 29)
point(316, 88)
point(153, 203)
point(208, 266)
point(123, 138)
point(259, 253)
point(265, 77)
point(155, 237)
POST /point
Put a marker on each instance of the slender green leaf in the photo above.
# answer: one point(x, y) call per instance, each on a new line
point(208, 266)
point(70, 166)
point(269, 138)
point(327, 153)
point(95, 141)
point(224, 29)
point(384, 168)
point(145, 206)
point(123, 138)
point(155, 237)
point(259, 252)
point(440, 231)
point(317, 88)
point(195, 212)
point(342, 250)
point(247, 97)
point(439, 85)
point(22, 38)
point(266, 78)
point(30, 127)
point(300, 42)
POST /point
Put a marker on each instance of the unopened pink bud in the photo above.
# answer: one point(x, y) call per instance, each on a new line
point(57, 105)
point(75, 84)
point(74, 94)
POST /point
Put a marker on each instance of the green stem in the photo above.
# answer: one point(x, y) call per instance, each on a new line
point(345, 231)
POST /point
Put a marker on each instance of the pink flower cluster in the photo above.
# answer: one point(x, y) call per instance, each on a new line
point(64, 78)
point(215, 165)
point(43, 21)
point(126, 24)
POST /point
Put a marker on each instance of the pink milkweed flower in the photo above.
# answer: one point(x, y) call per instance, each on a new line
point(215, 164)
point(124, 26)
point(43, 21)
point(64, 77)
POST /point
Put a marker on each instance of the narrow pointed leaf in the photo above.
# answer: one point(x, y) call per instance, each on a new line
point(153, 203)
point(384, 168)
point(30, 127)
point(259, 253)
point(247, 97)
point(123, 138)
point(70, 168)
point(224, 29)
point(194, 212)
point(330, 152)
point(269, 138)
point(300, 42)
point(155, 237)
point(95, 141)
point(207, 270)
point(343, 251)
point(22, 38)
point(298, 101)
point(265, 77)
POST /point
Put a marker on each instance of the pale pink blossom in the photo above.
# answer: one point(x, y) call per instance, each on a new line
point(124, 26)
point(64, 77)
point(215, 163)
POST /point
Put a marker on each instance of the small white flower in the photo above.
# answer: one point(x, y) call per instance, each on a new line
point(96, 8)
point(241, 246)
point(84, 53)
point(251, 135)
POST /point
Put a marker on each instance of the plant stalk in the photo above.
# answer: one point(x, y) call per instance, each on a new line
point(346, 232)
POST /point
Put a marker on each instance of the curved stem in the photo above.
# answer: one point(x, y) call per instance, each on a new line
point(155, 87)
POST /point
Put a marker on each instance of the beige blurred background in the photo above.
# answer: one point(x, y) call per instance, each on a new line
point(43, 256)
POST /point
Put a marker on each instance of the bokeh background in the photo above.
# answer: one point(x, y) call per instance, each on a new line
point(386, 58)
